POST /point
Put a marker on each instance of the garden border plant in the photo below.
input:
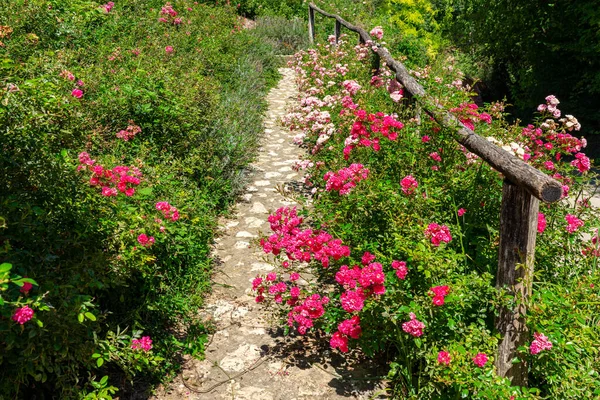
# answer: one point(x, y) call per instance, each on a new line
point(336, 99)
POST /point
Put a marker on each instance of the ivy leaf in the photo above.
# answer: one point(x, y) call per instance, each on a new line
point(90, 316)
point(5, 267)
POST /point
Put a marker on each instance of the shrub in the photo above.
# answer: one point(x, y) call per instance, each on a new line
point(405, 256)
point(108, 111)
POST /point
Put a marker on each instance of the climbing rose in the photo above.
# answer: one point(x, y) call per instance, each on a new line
point(409, 184)
point(77, 93)
point(443, 357)
point(169, 211)
point(367, 258)
point(435, 156)
point(439, 294)
point(353, 300)
point(582, 163)
point(480, 359)
point(339, 341)
point(22, 314)
point(351, 327)
point(461, 212)
point(413, 327)
point(108, 192)
point(145, 343)
point(145, 240)
point(345, 179)
point(425, 139)
point(400, 268)
point(377, 32)
point(169, 49)
point(108, 6)
point(438, 233)
point(573, 222)
point(294, 276)
point(540, 343)
point(541, 227)
point(351, 86)
point(26, 287)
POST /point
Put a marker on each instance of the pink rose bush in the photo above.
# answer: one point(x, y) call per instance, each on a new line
point(438, 234)
point(111, 181)
point(444, 358)
point(409, 184)
point(144, 344)
point(23, 315)
point(414, 327)
point(480, 360)
point(169, 212)
point(345, 179)
point(539, 343)
point(351, 119)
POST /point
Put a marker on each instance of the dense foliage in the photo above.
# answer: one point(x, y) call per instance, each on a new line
point(125, 129)
point(403, 234)
point(526, 48)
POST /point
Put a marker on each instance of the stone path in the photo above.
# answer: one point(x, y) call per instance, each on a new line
point(247, 346)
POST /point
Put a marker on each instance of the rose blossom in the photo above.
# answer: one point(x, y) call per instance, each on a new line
point(444, 357)
point(22, 314)
point(480, 359)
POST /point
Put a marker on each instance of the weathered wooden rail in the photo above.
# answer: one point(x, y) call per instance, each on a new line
point(524, 186)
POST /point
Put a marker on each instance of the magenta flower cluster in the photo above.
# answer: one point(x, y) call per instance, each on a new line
point(349, 328)
point(345, 179)
point(169, 212)
point(409, 184)
point(414, 327)
point(301, 245)
point(539, 343)
point(468, 115)
point(439, 294)
point(438, 234)
point(144, 343)
point(365, 128)
point(23, 314)
point(573, 223)
point(303, 315)
point(112, 181)
point(169, 15)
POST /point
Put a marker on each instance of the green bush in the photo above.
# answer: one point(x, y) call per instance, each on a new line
point(196, 116)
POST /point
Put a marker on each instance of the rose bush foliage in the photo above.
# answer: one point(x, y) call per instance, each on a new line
point(418, 232)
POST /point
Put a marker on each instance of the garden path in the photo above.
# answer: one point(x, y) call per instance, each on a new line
point(248, 358)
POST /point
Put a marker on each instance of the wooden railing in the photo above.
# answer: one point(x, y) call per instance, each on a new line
point(523, 187)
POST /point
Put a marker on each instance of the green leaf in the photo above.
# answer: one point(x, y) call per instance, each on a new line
point(1, 301)
point(99, 362)
point(145, 191)
point(40, 323)
point(5, 267)
point(96, 355)
point(104, 380)
point(80, 317)
point(90, 316)
point(20, 282)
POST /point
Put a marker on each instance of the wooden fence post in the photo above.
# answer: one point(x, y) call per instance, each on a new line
point(338, 30)
point(311, 25)
point(518, 229)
